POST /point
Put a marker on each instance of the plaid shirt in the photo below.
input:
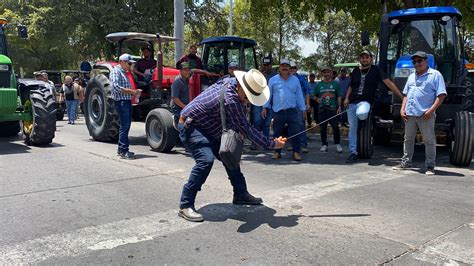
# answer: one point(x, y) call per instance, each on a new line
point(119, 81)
point(205, 112)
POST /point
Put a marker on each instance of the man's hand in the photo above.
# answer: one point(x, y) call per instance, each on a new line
point(280, 142)
point(308, 108)
point(404, 115)
point(427, 115)
point(339, 110)
point(264, 113)
point(346, 102)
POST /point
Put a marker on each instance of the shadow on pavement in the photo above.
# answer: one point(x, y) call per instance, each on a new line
point(255, 216)
point(13, 148)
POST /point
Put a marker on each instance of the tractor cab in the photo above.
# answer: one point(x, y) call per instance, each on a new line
point(216, 54)
point(434, 30)
point(437, 32)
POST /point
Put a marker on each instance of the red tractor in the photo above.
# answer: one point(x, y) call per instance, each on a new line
point(153, 107)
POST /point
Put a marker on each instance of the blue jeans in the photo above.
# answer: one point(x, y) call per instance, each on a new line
point(124, 110)
point(293, 118)
point(355, 112)
point(259, 123)
point(204, 148)
point(71, 107)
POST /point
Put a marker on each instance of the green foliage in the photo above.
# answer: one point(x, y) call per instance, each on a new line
point(64, 33)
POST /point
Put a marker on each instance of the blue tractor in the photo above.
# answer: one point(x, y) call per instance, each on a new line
point(436, 31)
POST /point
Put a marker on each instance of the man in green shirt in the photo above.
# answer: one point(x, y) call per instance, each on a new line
point(328, 96)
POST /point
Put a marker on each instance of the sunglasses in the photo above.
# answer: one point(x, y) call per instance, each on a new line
point(418, 61)
point(129, 63)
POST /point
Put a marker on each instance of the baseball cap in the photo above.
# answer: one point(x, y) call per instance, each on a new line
point(127, 57)
point(233, 65)
point(292, 64)
point(367, 52)
point(285, 61)
point(420, 54)
point(267, 60)
point(184, 65)
point(325, 68)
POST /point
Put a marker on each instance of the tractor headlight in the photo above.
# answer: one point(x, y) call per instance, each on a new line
point(403, 72)
point(4, 67)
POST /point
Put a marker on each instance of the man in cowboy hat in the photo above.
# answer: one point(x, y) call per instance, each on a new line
point(200, 130)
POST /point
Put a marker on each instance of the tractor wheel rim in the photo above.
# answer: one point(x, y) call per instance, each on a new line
point(97, 107)
point(155, 130)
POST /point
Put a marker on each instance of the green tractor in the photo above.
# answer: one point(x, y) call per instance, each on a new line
point(27, 105)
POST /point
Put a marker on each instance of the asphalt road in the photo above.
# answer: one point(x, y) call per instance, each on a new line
point(76, 202)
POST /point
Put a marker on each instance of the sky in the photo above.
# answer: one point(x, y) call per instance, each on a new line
point(307, 47)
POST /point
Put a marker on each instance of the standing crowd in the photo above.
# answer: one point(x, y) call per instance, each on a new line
point(256, 100)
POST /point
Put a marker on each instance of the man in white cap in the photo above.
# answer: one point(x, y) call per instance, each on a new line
point(122, 92)
point(200, 130)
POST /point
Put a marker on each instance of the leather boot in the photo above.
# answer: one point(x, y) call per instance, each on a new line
point(190, 214)
point(246, 199)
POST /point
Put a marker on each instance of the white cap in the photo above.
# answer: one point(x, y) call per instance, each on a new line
point(292, 64)
point(127, 57)
point(284, 61)
point(233, 65)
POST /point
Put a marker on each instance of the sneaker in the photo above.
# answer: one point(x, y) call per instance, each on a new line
point(338, 148)
point(430, 170)
point(352, 158)
point(304, 149)
point(324, 148)
point(276, 155)
point(402, 166)
point(296, 156)
point(69, 122)
point(128, 155)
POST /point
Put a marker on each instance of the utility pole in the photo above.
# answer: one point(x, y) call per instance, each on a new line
point(178, 28)
point(230, 17)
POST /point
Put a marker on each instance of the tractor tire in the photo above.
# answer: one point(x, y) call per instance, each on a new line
point(9, 129)
point(102, 119)
point(461, 140)
point(364, 138)
point(160, 133)
point(42, 128)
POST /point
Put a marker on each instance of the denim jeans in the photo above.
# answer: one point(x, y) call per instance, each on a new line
point(429, 137)
point(124, 110)
point(203, 149)
point(355, 112)
point(291, 117)
point(262, 125)
point(71, 107)
point(326, 114)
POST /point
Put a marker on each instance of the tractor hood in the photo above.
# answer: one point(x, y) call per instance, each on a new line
point(5, 60)
point(169, 74)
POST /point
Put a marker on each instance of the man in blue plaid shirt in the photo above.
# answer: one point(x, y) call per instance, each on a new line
point(200, 130)
point(122, 94)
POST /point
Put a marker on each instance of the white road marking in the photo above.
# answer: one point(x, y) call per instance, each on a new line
point(105, 236)
point(144, 228)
